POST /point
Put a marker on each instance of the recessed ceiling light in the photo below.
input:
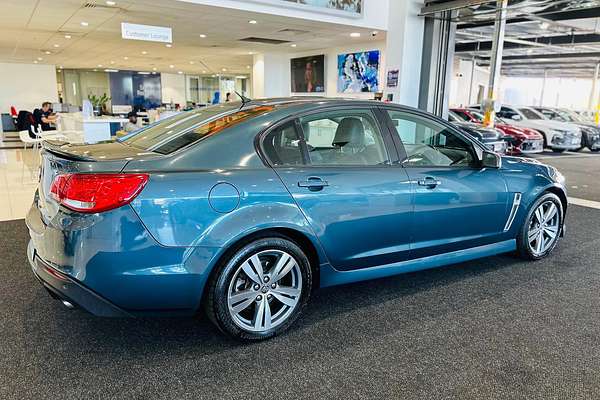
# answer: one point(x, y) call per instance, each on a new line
point(154, 69)
point(293, 45)
point(61, 67)
point(250, 52)
point(252, 21)
point(544, 25)
point(144, 52)
point(247, 66)
point(180, 72)
point(191, 62)
point(95, 70)
point(47, 52)
point(56, 45)
point(168, 45)
point(110, 3)
point(374, 33)
point(202, 35)
point(125, 58)
point(355, 34)
point(83, 23)
point(100, 65)
point(203, 71)
point(40, 58)
point(224, 69)
point(112, 62)
point(35, 61)
point(67, 36)
point(171, 66)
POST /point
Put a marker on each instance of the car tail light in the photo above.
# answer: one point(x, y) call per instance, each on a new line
point(92, 193)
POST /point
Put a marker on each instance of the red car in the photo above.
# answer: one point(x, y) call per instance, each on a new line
point(525, 140)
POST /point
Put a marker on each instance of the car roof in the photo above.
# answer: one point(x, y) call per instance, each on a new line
point(308, 102)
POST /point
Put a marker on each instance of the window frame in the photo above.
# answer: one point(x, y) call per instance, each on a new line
point(477, 147)
point(380, 122)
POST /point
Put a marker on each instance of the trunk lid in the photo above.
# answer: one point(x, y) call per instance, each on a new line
point(59, 158)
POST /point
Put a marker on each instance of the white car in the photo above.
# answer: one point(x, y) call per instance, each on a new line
point(558, 136)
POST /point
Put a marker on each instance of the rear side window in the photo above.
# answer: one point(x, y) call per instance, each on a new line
point(186, 128)
point(346, 137)
point(282, 146)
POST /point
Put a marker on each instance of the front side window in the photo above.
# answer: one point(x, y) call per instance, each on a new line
point(430, 144)
point(347, 137)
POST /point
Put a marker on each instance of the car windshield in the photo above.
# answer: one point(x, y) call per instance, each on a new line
point(480, 117)
point(569, 116)
point(176, 132)
point(530, 114)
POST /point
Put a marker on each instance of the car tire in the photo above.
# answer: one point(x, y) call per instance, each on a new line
point(532, 246)
point(559, 150)
point(244, 309)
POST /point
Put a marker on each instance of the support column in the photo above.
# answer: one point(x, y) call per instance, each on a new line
point(469, 102)
point(270, 76)
point(404, 49)
point(496, 62)
point(543, 88)
point(437, 63)
point(592, 100)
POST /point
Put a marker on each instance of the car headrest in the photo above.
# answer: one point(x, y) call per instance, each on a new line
point(350, 131)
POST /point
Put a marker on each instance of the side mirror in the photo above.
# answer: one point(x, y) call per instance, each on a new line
point(491, 160)
point(516, 117)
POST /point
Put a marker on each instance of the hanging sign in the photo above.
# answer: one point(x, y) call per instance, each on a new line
point(146, 32)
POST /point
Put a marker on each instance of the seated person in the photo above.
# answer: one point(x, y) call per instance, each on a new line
point(44, 117)
point(133, 123)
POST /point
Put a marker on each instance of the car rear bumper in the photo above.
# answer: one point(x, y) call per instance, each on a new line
point(69, 291)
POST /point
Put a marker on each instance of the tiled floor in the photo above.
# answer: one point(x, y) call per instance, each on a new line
point(18, 181)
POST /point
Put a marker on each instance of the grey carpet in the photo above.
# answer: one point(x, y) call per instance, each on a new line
point(493, 328)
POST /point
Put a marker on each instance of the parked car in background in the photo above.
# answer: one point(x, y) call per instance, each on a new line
point(558, 136)
point(524, 140)
point(586, 115)
point(493, 139)
point(590, 132)
point(244, 209)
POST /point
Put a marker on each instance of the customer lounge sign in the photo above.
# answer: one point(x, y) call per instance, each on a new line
point(146, 32)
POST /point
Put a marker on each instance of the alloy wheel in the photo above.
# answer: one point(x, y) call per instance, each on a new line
point(543, 228)
point(264, 290)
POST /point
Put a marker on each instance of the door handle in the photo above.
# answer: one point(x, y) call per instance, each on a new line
point(429, 182)
point(313, 183)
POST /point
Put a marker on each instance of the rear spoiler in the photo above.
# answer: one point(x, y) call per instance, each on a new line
point(56, 147)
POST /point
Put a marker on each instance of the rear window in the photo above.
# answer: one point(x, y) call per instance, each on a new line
point(183, 129)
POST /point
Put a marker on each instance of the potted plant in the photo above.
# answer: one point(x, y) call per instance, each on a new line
point(99, 103)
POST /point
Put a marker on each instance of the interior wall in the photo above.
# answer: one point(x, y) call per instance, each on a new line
point(331, 69)
point(26, 86)
point(173, 88)
point(461, 82)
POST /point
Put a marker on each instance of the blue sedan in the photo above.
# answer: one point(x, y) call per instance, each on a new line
point(244, 208)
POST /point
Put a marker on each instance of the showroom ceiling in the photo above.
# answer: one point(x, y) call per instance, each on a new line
point(559, 37)
point(206, 40)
